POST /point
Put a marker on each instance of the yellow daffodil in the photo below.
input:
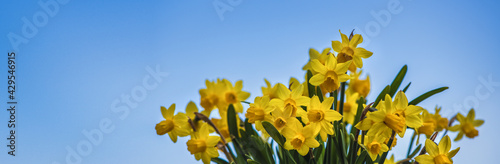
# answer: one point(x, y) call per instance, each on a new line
point(320, 116)
point(282, 117)
point(173, 125)
point(350, 107)
point(395, 116)
point(349, 50)
point(437, 154)
point(429, 124)
point(330, 74)
point(210, 96)
point(357, 85)
point(289, 99)
point(269, 90)
point(202, 145)
point(441, 122)
point(232, 95)
point(390, 160)
point(300, 138)
point(313, 54)
point(374, 145)
point(259, 111)
point(467, 125)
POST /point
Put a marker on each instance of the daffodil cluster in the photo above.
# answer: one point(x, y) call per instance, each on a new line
point(323, 118)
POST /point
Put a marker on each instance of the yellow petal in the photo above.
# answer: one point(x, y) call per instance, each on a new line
point(288, 132)
point(332, 115)
point(344, 78)
point(471, 115)
point(337, 46)
point(361, 52)
point(377, 116)
point(238, 85)
point(313, 54)
point(190, 109)
point(425, 159)
point(303, 150)
point(302, 101)
point(477, 123)
point(325, 51)
point(444, 145)
point(312, 143)
point(452, 153)
point(317, 79)
point(212, 152)
point(172, 136)
point(297, 92)
point(282, 91)
point(317, 66)
point(388, 103)
point(212, 140)
point(459, 136)
point(205, 158)
point(460, 117)
point(345, 40)
point(400, 101)
point(413, 110)
point(357, 61)
point(327, 103)
point(331, 62)
point(168, 113)
point(342, 67)
point(454, 128)
point(355, 40)
point(431, 147)
point(414, 121)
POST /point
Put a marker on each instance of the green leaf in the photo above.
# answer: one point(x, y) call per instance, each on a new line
point(219, 161)
point(415, 151)
point(361, 157)
point(426, 95)
point(406, 88)
point(249, 128)
point(231, 121)
point(359, 111)
point(271, 130)
point(310, 87)
point(319, 94)
point(381, 95)
point(397, 81)
point(249, 161)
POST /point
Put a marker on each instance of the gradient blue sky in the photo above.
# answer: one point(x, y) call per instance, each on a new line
point(90, 53)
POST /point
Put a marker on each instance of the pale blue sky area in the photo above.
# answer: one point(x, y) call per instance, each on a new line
point(76, 65)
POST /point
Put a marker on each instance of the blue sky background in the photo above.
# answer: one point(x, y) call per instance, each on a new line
point(90, 53)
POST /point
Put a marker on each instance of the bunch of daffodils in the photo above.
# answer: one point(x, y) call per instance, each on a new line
point(326, 118)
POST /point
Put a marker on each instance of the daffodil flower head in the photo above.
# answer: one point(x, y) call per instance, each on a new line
point(429, 124)
point(374, 145)
point(438, 154)
point(282, 118)
point(357, 85)
point(289, 100)
point(314, 54)
point(210, 96)
point(173, 125)
point(269, 90)
point(259, 111)
point(441, 122)
point(300, 138)
point(348, 50)
point(202, 145)
point(232, 95)
point(467, 125)
point(395, 116)
point(350, 107)
point(330, 74)
point(320, 116)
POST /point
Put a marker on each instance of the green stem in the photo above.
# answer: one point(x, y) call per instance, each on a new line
point(411, 144)
point(342, 97)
